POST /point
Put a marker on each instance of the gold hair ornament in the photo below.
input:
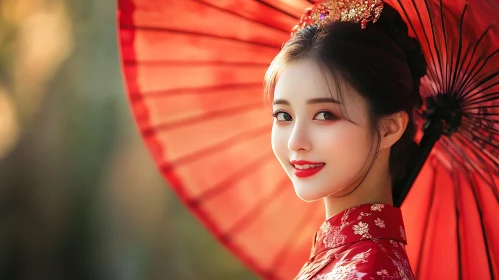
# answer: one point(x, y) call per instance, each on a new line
point(357, 11)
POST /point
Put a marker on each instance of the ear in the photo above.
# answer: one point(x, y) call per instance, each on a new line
point(392, 128)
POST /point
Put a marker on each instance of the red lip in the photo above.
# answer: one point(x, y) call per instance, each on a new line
point(302, 162)
point(302, 173)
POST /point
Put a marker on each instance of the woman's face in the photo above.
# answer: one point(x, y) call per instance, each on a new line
point(320, 151)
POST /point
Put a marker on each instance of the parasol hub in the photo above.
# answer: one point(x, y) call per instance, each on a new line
point(443, 108)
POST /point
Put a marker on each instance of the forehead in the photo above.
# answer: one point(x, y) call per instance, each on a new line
point(303, 79)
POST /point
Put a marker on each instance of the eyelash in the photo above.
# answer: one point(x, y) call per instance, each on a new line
point(276, 113)
point(334, 117)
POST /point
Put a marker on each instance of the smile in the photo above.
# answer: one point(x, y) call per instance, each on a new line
point(306, 169)
point(307, 166)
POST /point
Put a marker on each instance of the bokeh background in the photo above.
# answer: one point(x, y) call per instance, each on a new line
point(80, 197)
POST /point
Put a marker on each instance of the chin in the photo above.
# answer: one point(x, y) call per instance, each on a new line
point(308, 194)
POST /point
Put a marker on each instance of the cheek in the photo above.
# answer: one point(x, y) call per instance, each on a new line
point(344, 144)
point(279, 142)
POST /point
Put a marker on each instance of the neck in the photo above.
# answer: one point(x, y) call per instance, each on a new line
point(376, 189)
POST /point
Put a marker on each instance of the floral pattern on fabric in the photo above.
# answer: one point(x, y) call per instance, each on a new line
point(363, 242)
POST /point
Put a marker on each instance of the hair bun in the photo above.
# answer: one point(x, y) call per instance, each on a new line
point(395, 27)
point(415, 58)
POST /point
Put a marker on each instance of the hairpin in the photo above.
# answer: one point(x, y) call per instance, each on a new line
point(358, 11)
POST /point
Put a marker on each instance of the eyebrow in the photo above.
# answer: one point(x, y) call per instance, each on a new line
point(310, 101)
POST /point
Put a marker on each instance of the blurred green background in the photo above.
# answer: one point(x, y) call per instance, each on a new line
point(80, 197)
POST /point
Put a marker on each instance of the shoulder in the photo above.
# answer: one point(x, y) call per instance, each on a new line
point(369, 259)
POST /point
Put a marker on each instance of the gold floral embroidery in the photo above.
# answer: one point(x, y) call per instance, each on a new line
point(355, 275)
point(344, 218)
point(380, 223)
point(383, 272)
point(400, 261)
point(310, 269)
point(377, 207)
point(394, 243)
point(346, 268)
point(334, 236)
point(402, 264)
point(362, 214)
point(361, 229)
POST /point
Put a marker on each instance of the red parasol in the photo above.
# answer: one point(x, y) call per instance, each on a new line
point(194, 73)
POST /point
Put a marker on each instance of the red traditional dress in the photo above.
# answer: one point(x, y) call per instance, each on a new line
point(363, 242)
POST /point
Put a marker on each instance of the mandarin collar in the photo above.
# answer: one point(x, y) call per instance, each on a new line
point(368, 221)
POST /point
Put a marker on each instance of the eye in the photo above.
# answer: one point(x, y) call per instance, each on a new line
point(325, 116)
point(282, 116)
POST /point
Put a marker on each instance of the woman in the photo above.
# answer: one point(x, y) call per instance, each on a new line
point(344, 88)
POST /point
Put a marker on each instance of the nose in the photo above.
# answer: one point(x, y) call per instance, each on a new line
point(299, 139)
